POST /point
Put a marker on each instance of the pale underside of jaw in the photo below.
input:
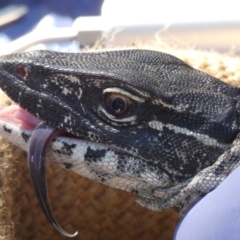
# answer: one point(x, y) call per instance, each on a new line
point(17, 125)
point(93, 160)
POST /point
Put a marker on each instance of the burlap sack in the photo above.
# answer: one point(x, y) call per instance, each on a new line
point(97, 211)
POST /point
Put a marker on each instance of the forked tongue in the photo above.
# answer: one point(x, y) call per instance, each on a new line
point(40, 139)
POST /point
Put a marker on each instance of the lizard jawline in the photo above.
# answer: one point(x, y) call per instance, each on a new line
point(16, 126)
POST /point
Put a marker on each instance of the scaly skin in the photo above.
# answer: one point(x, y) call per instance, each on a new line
point(174, 143)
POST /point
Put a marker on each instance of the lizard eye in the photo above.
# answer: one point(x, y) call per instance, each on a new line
point(119, 105)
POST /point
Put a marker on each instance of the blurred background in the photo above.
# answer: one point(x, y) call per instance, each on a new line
point(69, 25)
point(76, 25)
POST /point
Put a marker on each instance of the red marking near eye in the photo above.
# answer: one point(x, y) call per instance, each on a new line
point(21, 71)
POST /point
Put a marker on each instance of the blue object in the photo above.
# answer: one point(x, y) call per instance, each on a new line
point(216, 216)
point(39, 8)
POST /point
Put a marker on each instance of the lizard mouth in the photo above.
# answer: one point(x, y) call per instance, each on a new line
point(41, 137)
point(77, 154)
point(19, 117)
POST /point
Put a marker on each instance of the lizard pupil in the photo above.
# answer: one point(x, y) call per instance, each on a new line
point(118, 105)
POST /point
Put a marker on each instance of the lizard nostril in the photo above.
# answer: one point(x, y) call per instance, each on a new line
point(48, 56)
point(21, 71)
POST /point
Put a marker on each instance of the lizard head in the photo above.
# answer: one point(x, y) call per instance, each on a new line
point(144, 121)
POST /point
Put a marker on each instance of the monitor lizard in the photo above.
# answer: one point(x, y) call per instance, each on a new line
point(141, 121)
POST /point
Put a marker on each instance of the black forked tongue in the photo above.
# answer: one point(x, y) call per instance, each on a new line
point(41, 137)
